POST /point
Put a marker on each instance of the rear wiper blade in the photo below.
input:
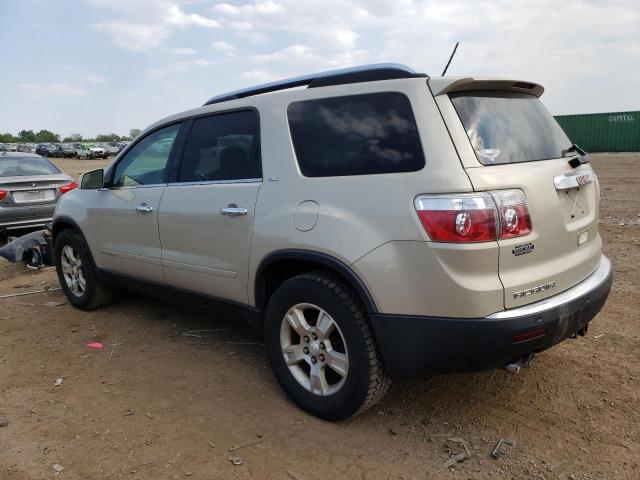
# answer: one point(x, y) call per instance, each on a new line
point(576, 161)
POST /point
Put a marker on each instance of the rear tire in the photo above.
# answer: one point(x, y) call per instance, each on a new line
point(333, 376)
point(77, 274)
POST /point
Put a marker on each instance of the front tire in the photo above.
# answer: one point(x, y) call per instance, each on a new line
point(321, 348)
point(77, 274)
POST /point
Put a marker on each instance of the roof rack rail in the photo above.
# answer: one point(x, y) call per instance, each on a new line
point(364, 73)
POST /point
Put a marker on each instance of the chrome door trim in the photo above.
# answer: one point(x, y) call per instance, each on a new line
point(129, 187)
point(216, 182)
point(130, 256)
point(218, 272)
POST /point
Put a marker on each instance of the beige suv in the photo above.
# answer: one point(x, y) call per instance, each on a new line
point(374, 222)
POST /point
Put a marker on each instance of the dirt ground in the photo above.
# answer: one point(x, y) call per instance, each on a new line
point(176, 390)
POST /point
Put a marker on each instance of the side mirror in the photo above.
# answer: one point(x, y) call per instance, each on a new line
point(92, 180)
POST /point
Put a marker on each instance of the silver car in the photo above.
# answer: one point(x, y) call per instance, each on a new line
point(30, 186)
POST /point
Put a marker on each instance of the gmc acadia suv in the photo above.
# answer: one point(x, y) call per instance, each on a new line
point(378, 223)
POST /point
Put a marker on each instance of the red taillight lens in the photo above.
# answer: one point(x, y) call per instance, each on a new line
point(514, 213)
point(474, 217)
point(67, 188)
point(464, 217)
point(3, 193)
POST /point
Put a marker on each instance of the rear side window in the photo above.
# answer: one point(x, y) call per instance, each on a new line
point(222, 147)
point(509, 127)
point(355, 135)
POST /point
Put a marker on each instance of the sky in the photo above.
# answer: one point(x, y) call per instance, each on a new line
point(107, 66)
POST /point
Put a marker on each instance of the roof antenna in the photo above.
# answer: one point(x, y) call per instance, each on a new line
point(450, 58)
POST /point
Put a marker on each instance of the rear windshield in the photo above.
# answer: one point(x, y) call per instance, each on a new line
point(509, 127)
point(25, 166)
point(355, 135)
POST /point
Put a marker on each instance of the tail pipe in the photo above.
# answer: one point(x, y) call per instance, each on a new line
point(515, 366)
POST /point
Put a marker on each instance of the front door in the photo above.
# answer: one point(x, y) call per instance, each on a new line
point(124, 222)
point(206, 217)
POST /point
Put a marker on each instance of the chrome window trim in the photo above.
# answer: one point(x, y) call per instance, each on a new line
point(129, 187)
point(589, 284)
point(217, 182)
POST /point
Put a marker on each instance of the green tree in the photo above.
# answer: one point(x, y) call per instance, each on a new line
point(7, 138)
point(134, 132)
point(45, 136)
point(110, 137)
point(27, 136)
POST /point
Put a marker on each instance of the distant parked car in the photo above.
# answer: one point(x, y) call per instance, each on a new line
point(62, 151)
point(41, 149)
point(111, 148)
point(83, 151)
point(30, 186)
point(98, 152)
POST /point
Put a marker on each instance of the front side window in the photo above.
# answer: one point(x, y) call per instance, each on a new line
point(222, 147)
point(146, 162)
point(509, 127)
point(355, 135)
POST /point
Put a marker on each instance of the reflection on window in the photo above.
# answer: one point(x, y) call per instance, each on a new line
point(20, 167)
point(222, 147)
point(509, 127)
point(146, 162)
point(355, 135)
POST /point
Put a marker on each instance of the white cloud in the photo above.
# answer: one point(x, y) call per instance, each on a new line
point(134, 36)
point(180, 67)
point(144, 24)
point(53, 89)
point(178, 17)
point(266, 8)
point(181, 51)
point(259, 76)
point(91, 77)
point(241, 26)
point(223, 46)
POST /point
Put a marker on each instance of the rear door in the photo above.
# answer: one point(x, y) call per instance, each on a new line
point(124, 222)
point(517, 144)
point(206, 217)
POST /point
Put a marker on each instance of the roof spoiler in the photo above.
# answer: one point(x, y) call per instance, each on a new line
point(444, 85)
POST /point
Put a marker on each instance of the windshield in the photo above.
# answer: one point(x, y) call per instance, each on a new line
point(26, 166)
point(509, 127)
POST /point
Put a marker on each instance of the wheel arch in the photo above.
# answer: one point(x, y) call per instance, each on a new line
point(279, 266)
point(64, 223)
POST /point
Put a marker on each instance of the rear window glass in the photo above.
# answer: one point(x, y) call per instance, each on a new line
point(509, 127)
point(355, 135)
point(25, 166)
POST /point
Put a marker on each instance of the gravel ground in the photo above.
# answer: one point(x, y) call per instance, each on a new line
point(177, 392)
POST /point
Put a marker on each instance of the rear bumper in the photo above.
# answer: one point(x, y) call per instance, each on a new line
point(413, 346)
point(16, 217)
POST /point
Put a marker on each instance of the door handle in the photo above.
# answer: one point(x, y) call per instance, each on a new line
point(144, 208)
point(233, 210)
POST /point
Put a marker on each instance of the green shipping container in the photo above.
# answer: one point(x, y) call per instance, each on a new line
point(603, 132)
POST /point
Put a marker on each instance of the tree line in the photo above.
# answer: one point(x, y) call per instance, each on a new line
point(46, 136)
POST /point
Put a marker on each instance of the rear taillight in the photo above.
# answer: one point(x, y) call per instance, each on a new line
point(474, 217)
point(67, 188)
point(514, 213)
point(3, 193)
